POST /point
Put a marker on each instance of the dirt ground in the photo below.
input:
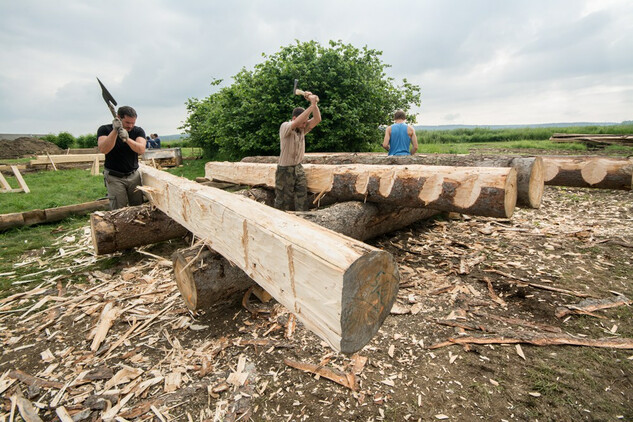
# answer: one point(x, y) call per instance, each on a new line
point(25, 146)
point(467, 285)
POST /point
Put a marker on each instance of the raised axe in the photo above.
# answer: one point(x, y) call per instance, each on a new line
point(109, 99)
point(296, 91)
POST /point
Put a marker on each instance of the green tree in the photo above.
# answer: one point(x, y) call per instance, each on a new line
point(356, 98)
point(87, 141)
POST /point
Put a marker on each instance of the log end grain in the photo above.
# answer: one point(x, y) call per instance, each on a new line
point(511, 193)
point(536, 185)
point(370, 288)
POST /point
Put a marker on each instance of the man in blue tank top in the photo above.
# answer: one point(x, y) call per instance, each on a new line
point(399, 136)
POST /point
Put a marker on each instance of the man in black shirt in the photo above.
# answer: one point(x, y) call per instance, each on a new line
point(122, 142)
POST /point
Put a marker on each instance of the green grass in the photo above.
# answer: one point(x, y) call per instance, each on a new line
point(51, 189)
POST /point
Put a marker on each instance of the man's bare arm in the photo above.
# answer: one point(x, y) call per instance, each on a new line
point(106, 143)
point(385, 142)
point(316, 113)
point(414, 140)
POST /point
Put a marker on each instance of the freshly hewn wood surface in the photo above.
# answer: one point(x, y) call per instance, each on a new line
point(204, 277)
point(589, 171)
point(469, 190)
point(340, 288)
point(530, 172)
point(50, 215)
point(130, 227)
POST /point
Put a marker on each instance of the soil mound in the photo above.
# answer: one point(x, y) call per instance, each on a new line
point(26, 146)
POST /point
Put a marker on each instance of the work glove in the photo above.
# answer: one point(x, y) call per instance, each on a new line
point(123, 134)
point(117, 124)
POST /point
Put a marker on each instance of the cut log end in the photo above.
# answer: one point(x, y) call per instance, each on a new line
point(370, 288)
point(536, 184)
point(510, 199)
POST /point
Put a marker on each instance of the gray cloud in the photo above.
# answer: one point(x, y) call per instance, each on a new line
point(478, 62)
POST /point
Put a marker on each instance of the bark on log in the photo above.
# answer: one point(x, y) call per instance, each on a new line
point(49, 215)
point(589, 172)
point(338, 287)
point(205, 278)
point(469, 190)
point(530, 171)
point(130, 227)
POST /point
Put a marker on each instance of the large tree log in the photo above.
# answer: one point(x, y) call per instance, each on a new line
point(340, 288)
point(589, 171)
point(49, 215)
point(131, 227)
point(530, 172)
point(205, 278)
point(469, 190)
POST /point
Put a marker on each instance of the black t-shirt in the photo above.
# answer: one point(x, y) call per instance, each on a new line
point(121, 158)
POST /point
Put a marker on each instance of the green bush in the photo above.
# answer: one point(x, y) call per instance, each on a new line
point(63, 140)
point(356, 98)
point(87, 141)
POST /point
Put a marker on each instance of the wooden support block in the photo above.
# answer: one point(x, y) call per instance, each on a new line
point(21, 181)
point(5, 185)
point(95, 167)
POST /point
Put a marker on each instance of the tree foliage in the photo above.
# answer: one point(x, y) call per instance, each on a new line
point(356, 98)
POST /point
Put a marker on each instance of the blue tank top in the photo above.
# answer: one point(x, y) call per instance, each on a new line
point(400, 140)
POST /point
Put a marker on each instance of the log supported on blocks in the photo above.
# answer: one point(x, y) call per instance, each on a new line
point(340, 288)
point(530, 173)
point(205, 278)
point(469, 190)
point(589, 172)
point(130, 227)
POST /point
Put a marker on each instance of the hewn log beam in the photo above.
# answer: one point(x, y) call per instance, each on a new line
point(469, 190)
point(49, 215)
point(530, 173)
point(340, 288)
point(589, 171)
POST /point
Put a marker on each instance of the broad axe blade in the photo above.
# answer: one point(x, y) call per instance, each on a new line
point(294, 88)
point(109, 99)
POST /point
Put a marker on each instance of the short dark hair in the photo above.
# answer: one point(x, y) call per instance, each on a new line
point(126, 111)
point(399, 115)
point(297, 111)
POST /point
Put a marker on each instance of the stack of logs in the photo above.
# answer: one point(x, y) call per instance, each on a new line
point(315, 262)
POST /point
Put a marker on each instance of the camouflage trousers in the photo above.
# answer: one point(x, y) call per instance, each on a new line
point(291, 188)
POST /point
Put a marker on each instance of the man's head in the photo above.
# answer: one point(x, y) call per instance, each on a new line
point(399, 115)
point(297, 112)
point(128, 117)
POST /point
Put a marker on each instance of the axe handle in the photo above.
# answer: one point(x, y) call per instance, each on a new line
point(302, 93)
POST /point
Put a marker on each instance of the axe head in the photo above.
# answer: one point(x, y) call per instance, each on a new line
point(294, 88)
point(109, 99)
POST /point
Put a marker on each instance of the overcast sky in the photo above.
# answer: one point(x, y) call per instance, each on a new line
point(477, 62)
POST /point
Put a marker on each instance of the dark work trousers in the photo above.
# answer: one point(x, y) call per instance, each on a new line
point(291, 188)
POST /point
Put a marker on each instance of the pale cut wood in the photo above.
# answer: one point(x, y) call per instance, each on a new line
point(5, 185)
point(589, 171)
point(469, 190)
point(205, 278)
point(108, 315)
point(49, 215)
point(530, 172)
point(94, 170)
point(65, 159)
point(338, 287)
point(20, 179)
point(52, 162)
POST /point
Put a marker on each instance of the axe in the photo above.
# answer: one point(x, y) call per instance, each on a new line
point(109, 99)
point(296, 91)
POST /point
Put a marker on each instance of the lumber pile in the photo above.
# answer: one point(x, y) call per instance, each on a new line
point(470, 190)
point(594, 141)
point(338, 287)
point(529, 169)
point(164, 157)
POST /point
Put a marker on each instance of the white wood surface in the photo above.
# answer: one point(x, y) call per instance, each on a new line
point(315, 272)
